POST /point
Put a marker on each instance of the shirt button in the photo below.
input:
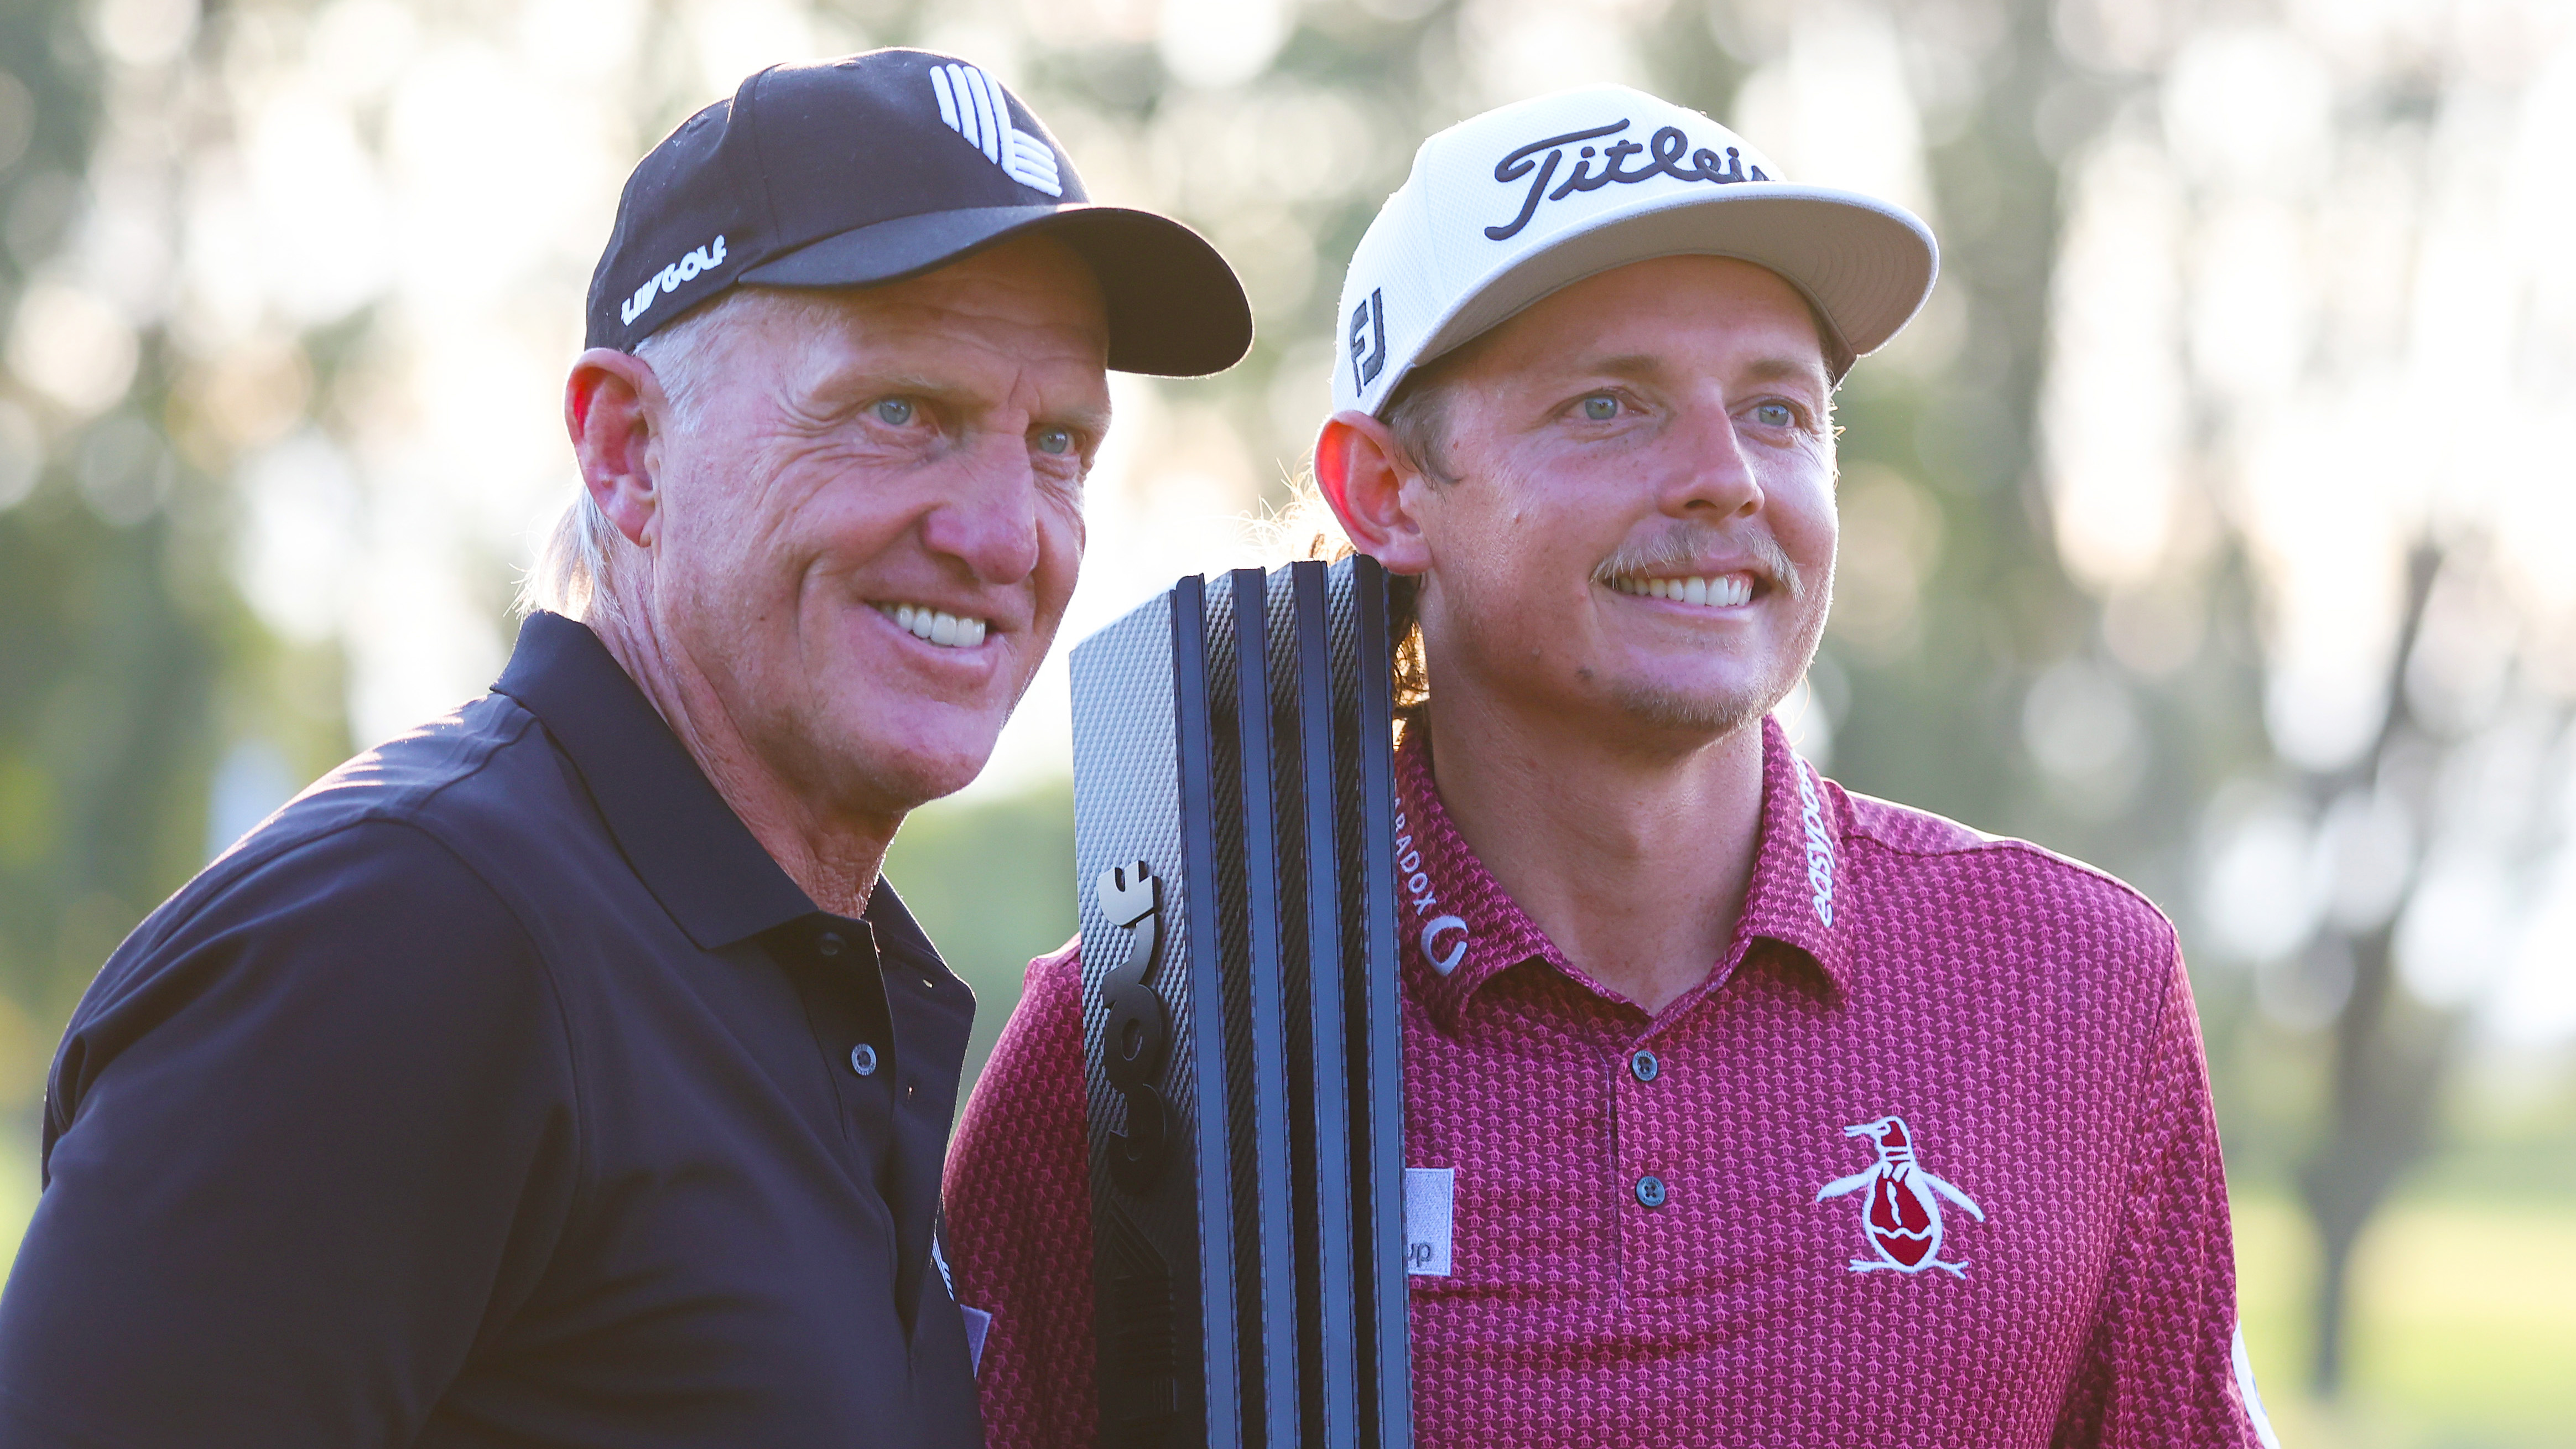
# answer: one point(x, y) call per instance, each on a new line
point(829, 943)
point(1645, 1066)
point(863, 1060)
point(1650, 1190)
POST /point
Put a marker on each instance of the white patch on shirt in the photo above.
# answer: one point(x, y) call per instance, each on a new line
point(1430, 1200)
point(2246, 1390)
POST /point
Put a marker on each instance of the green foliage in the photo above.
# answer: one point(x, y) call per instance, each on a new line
point(127, 661)
point(992, 883)
point(107, 667)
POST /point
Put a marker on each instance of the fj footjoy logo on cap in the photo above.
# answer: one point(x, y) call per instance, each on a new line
point(1596, 167)
point(687, 269)
point(1368, 337)
point(973, 105)
point(1901, 1216)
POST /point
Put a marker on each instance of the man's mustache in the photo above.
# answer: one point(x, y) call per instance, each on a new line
point(1686, 544)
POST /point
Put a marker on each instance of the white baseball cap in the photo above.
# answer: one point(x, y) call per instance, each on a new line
point(1504, 208)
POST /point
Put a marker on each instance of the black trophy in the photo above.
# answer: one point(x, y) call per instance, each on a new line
point(1234, 850)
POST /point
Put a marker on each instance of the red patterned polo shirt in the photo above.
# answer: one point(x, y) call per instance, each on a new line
point(1927, 1160)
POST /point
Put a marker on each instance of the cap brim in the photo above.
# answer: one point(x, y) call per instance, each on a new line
point(1867, 264)
point(1175, 308)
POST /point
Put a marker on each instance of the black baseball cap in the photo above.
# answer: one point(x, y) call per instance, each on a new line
point(881, 166)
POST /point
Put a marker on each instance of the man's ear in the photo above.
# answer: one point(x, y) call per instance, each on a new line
point(1363, 479)
point(610, 402)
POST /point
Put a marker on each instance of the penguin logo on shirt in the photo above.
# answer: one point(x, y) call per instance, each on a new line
point(1901, 1214)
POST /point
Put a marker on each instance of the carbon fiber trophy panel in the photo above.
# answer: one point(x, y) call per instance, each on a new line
point(1363, 712)
point(1272, 1240)
point(1302, 730)
point(1234, 805)
point(1143, 1077)
point(1200, 842)
point(1220, 796)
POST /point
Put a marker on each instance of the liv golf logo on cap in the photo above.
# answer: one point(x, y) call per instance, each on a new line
point(973, 106)
point(1503, 209)
point(687, 269)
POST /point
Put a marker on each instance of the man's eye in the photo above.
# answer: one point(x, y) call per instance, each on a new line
point(1057, 441)
point(1601, 407)
point(895, 411)
point(1775, 415)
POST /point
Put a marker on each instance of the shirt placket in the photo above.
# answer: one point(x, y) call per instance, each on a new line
point(1648, 1181)
point(908, 997)
point(853, 1033)
point(1659, 1106)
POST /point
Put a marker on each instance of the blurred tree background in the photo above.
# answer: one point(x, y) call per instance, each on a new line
point(2207, 525)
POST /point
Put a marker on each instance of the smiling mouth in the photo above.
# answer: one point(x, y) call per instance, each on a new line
point(1720, 592)
point(935, 626)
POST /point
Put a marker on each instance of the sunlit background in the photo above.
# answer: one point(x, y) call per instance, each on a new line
point(2213, 523)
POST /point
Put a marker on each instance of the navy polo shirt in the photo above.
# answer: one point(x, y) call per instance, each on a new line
point(501, 1090)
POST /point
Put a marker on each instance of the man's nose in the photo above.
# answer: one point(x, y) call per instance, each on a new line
point(988, 519)
point(1706, 474)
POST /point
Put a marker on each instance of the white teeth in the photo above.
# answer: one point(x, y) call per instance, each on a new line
point(949, 631)
point(1724, 591)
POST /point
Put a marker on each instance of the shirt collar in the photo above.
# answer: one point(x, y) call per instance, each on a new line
point(1797, 863)
point(685, 842)
point(1460, 929)
point(897, 934)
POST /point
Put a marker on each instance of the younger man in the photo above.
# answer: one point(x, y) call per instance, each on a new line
point(1767, 1113)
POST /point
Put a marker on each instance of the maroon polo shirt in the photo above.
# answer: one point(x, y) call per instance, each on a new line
point(1928, 1159)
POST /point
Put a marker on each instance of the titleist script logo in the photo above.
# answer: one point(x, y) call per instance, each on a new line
point(1820, 846)
point(973, 105)
point(1596, 167)
point(703, 259)
point(1417, 889)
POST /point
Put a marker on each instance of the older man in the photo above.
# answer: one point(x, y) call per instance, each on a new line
point(1741, 1109)
point(562, 1073)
